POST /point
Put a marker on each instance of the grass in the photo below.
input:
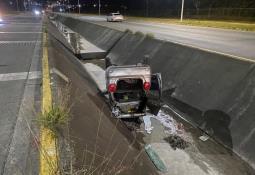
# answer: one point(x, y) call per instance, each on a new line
point(235, 25)
point(55, 118)
point(58, 115)
point(107, 164)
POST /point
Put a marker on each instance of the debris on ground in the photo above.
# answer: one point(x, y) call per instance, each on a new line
point(155, 158)
point(147, 124)
point(176, 141)
point(133, 124)
point(171, 126)
point(204, 137)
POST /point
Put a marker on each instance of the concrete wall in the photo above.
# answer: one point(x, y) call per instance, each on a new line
point(100, 36)
point(214, 92)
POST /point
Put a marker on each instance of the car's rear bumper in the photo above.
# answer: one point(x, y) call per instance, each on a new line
point(117, 20)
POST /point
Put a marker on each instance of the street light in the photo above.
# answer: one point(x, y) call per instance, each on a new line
point(17, 4)
point(182, 10)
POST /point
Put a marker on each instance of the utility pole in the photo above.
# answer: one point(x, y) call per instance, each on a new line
point(79, 6)
point(68, 6)
point(182, 10)
point(17, 4)
point(147, 8)
point(99, 7)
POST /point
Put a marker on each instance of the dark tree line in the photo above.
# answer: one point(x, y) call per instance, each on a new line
point(224, 3)
point(191, 4)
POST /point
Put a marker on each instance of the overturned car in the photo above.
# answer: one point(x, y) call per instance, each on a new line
point(130, 88)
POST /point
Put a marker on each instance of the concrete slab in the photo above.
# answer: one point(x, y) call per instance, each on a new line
point(194, 156)
point(180, 148)
point(97, 74)
point(80, 46)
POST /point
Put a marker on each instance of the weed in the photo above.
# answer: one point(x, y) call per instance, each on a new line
point(58, 115)
point(150, 35)
point(128, 31)
point(55, 118)
point(139, 33)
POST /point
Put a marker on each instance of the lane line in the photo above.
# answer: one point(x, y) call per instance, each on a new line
point(20, 32)
point(208, 50)
point(22, 24)
point(60, 74)
point(17, 42)
point(20, 76)
point(48, 152)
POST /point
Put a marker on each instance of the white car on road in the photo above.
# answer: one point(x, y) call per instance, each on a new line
point(112, 17)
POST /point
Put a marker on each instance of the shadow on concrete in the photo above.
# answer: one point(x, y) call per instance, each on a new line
point(217, 123)
point(213, 122)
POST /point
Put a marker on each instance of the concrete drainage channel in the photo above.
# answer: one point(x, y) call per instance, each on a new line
point(211, 91)
point(80, 46)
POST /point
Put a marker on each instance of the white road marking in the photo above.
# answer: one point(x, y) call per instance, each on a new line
point(60, 74)
point(20, 32)
point(20, 76)
point(208, 50)
point(17, 42)
point(14, 23)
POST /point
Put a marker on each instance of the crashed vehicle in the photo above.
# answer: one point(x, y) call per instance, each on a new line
point(130, 88)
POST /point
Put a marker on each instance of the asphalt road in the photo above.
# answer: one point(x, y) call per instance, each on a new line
point(238, 44)
point(20, 46)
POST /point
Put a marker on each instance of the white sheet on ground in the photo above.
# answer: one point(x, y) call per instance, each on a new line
point(147, 124)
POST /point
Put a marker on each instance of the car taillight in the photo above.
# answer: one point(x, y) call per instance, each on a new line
point(112, 87)
point(146, 86)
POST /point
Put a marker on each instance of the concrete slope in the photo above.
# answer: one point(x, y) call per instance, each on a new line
point(235, 43)
point(93, 131)
point(100, 36)
point(215, 92)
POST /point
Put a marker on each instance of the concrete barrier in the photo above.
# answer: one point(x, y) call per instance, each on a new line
point(78, 44)
point(214, 92)
point(102, 37)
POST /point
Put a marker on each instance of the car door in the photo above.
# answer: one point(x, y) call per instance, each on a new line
point(154, 95)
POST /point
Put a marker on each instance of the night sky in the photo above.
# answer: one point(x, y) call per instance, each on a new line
point(140, 7)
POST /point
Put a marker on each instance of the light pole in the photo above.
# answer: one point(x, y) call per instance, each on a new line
point(182, 10)
point(79, 6)
point(68, 6)
point(99, 7)
point(147, 8)
point(17, 4)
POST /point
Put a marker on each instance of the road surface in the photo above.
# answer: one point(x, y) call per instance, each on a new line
point(20, 46)
point(238, 44)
